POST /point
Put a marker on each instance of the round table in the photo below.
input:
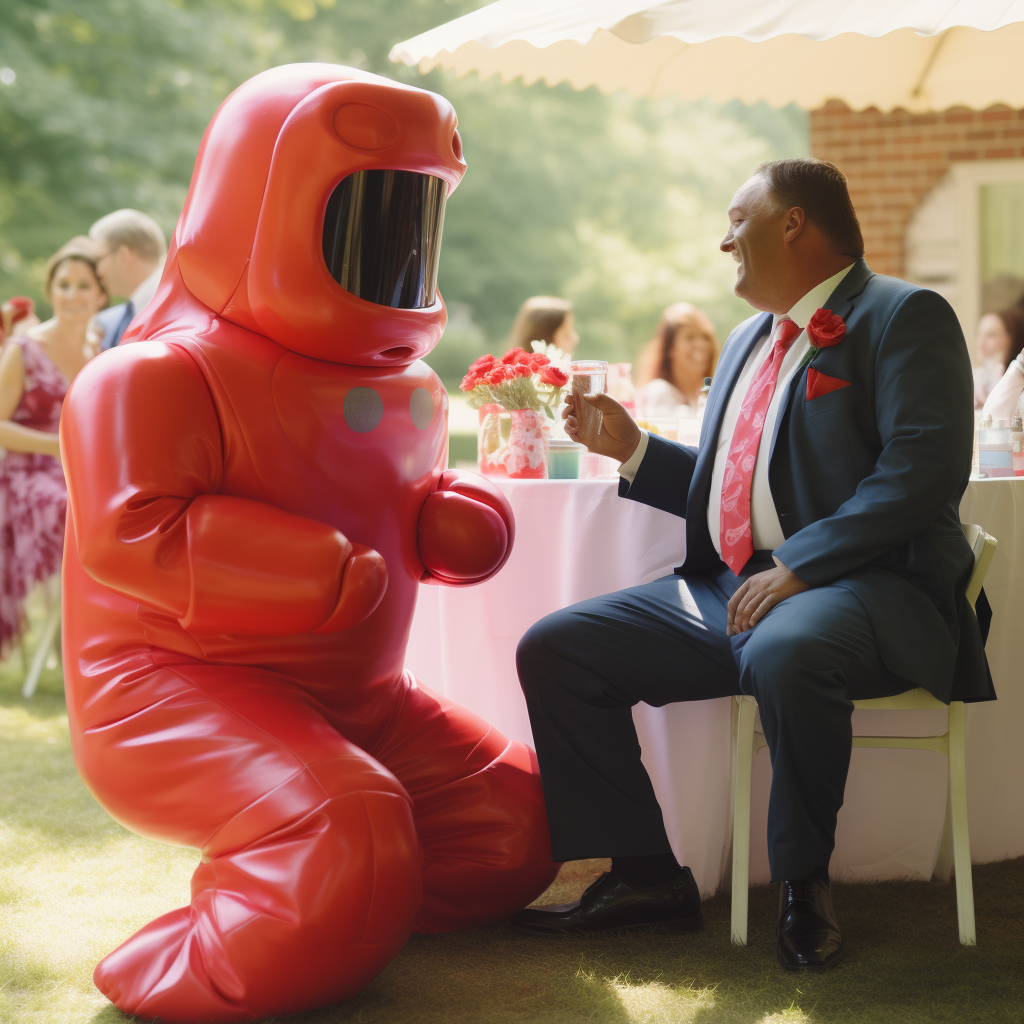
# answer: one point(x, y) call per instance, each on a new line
point(576, 539)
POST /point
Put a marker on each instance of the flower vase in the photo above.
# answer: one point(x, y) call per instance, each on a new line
point(490, 444)
point(524, 456)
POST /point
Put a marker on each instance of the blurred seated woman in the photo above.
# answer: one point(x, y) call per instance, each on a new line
point(1002, 400)
point(36, 370)
point(674, 364)
point(545, 318)
point(1000, 340)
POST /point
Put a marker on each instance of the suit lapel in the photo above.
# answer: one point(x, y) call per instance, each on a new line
point(840, 302)
point(725, 380)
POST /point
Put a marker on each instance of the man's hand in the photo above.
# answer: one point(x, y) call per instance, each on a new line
point(758, 595)
point(619, 433)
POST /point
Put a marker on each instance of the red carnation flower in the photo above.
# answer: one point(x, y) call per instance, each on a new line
point(483, 364)
point(469, 382)
point(826, 329)
point(523, 370)
point(514, 355)
point(553, 375)
point(496, 376)
point(537, 360)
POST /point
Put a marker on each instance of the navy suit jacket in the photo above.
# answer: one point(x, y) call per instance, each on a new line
point(867, 478)
point(110, 319)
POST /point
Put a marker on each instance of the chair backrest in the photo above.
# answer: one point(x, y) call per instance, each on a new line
point(984, 547)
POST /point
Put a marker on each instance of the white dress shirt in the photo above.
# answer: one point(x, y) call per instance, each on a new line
point(766, 531)
point(143, 295)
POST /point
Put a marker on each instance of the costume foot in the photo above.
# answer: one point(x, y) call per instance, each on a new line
point(609, 904)
point(160, 972)
point(808, 937)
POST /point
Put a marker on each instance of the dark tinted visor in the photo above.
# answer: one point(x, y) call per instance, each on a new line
point(382, 236)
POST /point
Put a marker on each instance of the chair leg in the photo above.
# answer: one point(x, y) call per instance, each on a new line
point(45, 643)
point(944, 861)
point(741, 818)
point(958, 814)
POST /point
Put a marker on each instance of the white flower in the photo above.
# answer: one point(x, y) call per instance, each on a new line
point(554, 353)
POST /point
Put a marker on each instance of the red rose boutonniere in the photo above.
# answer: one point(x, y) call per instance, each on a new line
point(824, 330)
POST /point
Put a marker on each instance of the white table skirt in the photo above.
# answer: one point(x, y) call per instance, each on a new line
point(578, 539)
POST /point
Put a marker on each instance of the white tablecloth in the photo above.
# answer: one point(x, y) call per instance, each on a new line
point(578, 539)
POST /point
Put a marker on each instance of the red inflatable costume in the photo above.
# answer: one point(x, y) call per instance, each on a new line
point(257, 489)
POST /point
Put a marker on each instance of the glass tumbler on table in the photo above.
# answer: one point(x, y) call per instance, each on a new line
point(589, 377)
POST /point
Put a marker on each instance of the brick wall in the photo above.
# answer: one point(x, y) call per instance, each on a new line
point(894, 160)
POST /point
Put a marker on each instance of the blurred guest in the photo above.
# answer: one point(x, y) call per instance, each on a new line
point(20, 312)
point(999, 341)
point(130, 251)
point(547, 319)
point(36, 369)
point(675, 362)
point(1001, 404)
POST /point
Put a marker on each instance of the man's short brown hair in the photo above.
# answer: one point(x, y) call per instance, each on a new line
point(132, 228)
point(820, 189)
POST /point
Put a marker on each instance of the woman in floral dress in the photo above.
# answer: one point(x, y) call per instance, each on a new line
point(36, 369)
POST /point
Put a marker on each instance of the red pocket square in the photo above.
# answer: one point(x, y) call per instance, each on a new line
point(819, 384)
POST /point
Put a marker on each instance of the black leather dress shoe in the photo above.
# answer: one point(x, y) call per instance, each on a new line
point(808, 938)
point(610, 904)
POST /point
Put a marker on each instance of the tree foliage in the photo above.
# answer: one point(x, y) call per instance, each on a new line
point(616, 204)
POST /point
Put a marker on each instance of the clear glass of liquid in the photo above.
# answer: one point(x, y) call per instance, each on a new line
point(589, 377)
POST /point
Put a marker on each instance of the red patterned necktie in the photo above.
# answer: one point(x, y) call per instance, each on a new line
point(735, 538)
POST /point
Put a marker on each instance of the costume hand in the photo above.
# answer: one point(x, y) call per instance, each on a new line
point(619, 433)
point(466, 530)
point(758, 595)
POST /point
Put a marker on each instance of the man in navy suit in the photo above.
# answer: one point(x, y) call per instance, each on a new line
point(129, 260)
point(825, 562)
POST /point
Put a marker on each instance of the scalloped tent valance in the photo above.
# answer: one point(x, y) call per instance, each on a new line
point(912, 54)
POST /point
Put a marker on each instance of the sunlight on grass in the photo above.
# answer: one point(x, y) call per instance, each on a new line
point(794, 1015)
point(656, 1002)
point(73, 883)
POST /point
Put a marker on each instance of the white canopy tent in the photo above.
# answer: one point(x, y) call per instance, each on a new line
point(914, 54)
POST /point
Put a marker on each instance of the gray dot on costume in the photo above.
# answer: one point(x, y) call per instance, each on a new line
point(363, 409)
point(421, 405)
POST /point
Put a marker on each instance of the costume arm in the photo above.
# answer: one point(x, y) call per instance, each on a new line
point(924, 415)
point(663, 477)
point(143, 460)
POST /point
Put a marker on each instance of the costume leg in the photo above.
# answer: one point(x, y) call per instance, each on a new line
point(804, 662)
point(582, 669)
point(310, 877)
point(478, 808)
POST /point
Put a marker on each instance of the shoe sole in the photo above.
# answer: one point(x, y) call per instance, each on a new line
point(837, 959)
point(677, 927)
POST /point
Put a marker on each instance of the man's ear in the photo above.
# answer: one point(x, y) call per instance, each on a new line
point(795, 222)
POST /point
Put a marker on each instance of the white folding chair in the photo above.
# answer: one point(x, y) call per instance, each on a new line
point(954, 848)
point(51, 628)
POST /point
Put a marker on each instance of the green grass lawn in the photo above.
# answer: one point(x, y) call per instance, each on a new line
point(73, 884)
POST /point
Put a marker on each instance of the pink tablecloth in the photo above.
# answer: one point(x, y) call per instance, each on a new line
point(578, 539)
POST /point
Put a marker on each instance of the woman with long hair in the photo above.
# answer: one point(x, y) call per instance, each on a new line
point(36, 369)
point(545, 318)
point(675, 362)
